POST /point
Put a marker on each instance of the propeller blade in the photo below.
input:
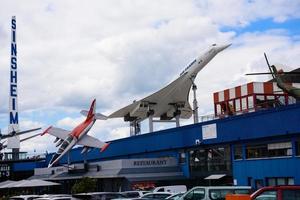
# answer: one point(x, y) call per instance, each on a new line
point(13, 133)
point(269, 65)
point(267, 73)
point(291, 73)
point(259, 73)
point(27, 131)
point(24, 139)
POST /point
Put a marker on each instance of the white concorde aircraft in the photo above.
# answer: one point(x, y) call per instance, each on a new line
point(172, 99)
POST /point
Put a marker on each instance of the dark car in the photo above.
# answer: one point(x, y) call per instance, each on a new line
point(290, 192)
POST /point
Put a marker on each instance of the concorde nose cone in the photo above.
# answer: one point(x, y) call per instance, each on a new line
point(222, 47)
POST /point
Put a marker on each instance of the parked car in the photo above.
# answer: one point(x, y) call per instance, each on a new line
point(214, 192)
point(134, 194)
point(140, 198)
point(171, 188)
point(284, 192)
point(98, 196)
point(54, 197)
point(175, 196)
point(290, 192)
point(157, 195)
point(24, 197)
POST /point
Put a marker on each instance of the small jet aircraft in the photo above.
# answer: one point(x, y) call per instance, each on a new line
point(277, 76)
point(16, 133)
point(172, 100)
point(78, 136)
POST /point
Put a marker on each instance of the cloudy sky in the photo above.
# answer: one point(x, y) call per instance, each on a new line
point(72, 51)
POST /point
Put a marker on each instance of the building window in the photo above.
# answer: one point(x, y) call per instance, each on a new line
point(269, 150)
point(181, 157)
point(250, 102)
point(271, 181)
point(257, 151)
point(244, 103)
point(231, 109)
point(291, 100)
point(237, 105)
point(280, 149)
point(258, 183)
point(298, 148)
point(281, 100)
point(219, 111)
point(212, 159)
point(280, 181)
point(238, 152)
point(260, 99)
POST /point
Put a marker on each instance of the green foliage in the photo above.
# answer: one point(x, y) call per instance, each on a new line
point(84, 185)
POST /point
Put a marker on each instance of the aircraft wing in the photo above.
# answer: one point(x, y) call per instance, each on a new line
point(12, 134)
point(90, 141)
point(57, 132)
point(3, 145)
point(123, 111)
point(162, 101)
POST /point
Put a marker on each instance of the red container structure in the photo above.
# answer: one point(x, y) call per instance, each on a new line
point(250, 97)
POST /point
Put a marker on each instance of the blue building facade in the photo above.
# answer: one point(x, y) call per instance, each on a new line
point(258, 148)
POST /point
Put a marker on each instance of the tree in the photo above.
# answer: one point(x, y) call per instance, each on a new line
point(84, 185)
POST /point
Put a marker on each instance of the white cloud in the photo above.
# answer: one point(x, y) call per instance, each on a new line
point(70, 52)
point(69, 122)
point(243, 12)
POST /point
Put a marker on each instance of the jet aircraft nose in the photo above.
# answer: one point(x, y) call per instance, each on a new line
point(222, 47)
point(54, 157)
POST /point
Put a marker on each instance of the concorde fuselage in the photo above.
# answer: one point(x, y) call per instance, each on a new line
point(196, 65)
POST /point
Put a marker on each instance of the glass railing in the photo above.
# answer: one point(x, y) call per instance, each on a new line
point(8, 156)
point(211, 166)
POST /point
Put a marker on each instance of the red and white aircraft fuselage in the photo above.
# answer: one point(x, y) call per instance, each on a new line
point(78, 136)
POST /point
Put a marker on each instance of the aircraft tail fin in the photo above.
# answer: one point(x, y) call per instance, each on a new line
point(92, 109)
point(92, 113)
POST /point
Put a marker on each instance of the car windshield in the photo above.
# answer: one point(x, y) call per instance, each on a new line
point(176, 196)
point(82, 196)
point(217, 194)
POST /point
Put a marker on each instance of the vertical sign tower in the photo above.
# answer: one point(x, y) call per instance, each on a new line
point(13, 142)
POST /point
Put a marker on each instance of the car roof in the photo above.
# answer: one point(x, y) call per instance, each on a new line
point(53, 197)
point(134, 191)
point(278, 187)
point(158, 193)
point(26, 195)
point(223, 187)
point(95, 193)
point(283, 187)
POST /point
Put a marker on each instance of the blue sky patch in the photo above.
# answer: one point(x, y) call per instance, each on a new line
point(292, 26)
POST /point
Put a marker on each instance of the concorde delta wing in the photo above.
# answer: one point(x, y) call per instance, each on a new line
point(163, 103)
point(124, 111)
